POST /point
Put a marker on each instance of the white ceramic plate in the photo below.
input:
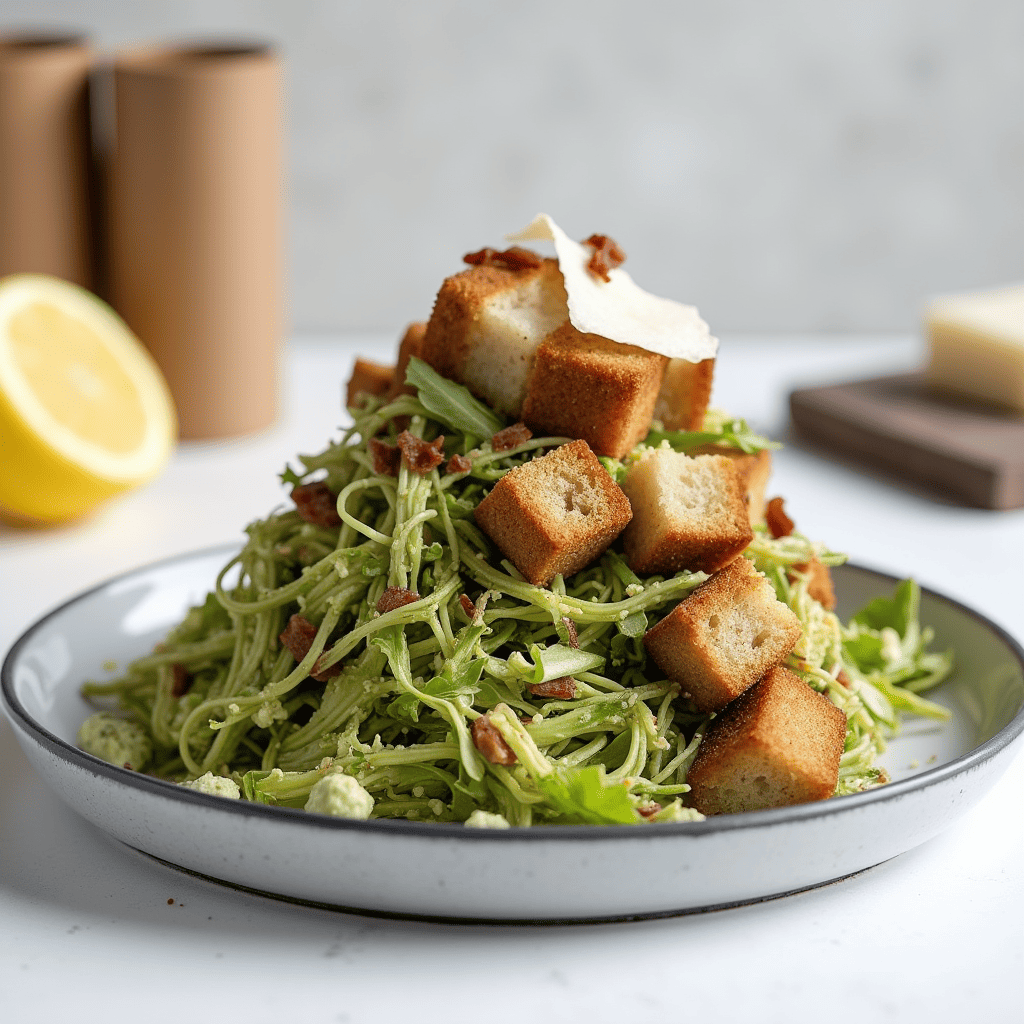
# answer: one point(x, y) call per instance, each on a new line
point(546, 874)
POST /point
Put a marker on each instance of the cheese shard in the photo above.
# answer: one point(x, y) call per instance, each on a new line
point(619, 309)
point(976, 343)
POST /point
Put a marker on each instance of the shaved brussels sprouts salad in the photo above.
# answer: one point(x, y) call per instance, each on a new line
point(371, 714)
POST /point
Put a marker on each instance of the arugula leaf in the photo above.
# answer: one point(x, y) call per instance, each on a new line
point(451, 403)
point(897, 612)
point(582, 795)
point(553, 662)
point(734, 433)
point(865, 651)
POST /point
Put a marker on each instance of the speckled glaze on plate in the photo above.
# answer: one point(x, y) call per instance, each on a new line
point(447, 872)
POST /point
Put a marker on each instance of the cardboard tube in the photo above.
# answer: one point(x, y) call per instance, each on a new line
point(194, 248)
point(45, 156)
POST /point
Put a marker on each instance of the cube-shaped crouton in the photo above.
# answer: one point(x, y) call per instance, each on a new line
point(368, 378)
point(819, 581)
point(586, 386)
point(777, 744)
point(688, 513)
point(410, 345)
point(487, 324)
point(685, 393)
point(555, 514)
point(754, 471)
point(722, 638)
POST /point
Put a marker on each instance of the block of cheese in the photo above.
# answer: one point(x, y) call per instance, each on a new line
point(976, 343)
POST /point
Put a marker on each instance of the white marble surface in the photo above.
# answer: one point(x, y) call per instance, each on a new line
point(789, 166)
point(935, 935)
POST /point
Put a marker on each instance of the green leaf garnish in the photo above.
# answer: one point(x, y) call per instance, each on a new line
point(451, 403)
point(732, 433)
point(581, 794)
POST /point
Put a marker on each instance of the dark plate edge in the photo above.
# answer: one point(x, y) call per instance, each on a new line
point(478, 922)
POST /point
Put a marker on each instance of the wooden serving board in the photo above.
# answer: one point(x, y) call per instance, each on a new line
point(968, 452)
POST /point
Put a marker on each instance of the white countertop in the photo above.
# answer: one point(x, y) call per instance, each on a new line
point(934, 935)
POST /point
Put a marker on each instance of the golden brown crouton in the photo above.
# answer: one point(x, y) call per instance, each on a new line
point(688, 513)
point(819, 581)
point(368, 378)
point(777, 744)
point(410, 345)
point(685, 393)
point(486, 326)
point(722, 638)
point(754, 471)
point(555, 514)
point(583, 385)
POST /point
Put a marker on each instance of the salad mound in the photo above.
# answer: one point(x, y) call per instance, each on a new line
point(371, 653)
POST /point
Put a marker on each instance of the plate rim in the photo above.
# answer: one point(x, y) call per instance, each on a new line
point(25, 723)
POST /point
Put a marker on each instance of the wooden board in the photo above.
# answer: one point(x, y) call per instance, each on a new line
point(968, 452)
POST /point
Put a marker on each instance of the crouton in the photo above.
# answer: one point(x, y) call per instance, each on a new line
point(487, 324)
point(688, 513)
point(368, 378)
point(722, 638)
point(777, 744)
point(583, 385)
point(819, 581)
point(555, 514)
point(754, 471)
point(684, 395)
point(410, 345)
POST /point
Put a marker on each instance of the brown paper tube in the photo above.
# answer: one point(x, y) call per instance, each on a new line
point(194, 249)
point(45, 156)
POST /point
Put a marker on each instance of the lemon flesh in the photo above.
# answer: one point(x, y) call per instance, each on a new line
point(84, 411)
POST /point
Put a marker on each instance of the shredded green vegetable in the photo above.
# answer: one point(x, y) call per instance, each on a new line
point(397, 714)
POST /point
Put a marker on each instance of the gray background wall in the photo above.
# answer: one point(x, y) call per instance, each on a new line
point(785, 165)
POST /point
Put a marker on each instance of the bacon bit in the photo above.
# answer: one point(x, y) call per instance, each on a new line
point(386, 457)
point(779, 524)
point(181, 681)
point(563, 688)
point(418, 455)
point(570, 627)
point(459, 464)
point(396, 597)
point(515, 258)
point(649, 810)
point(511, 437)
point(298, 636)
point(843, 679)
point(316, 504)
point(607, 256)
point(467, 606)
point(491, 743)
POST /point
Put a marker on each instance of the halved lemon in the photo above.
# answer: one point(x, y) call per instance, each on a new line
point(84, 411)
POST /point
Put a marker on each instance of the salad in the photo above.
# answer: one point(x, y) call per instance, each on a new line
point(369, 649)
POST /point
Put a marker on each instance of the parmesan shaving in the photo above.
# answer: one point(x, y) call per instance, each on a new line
point(619, 309)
